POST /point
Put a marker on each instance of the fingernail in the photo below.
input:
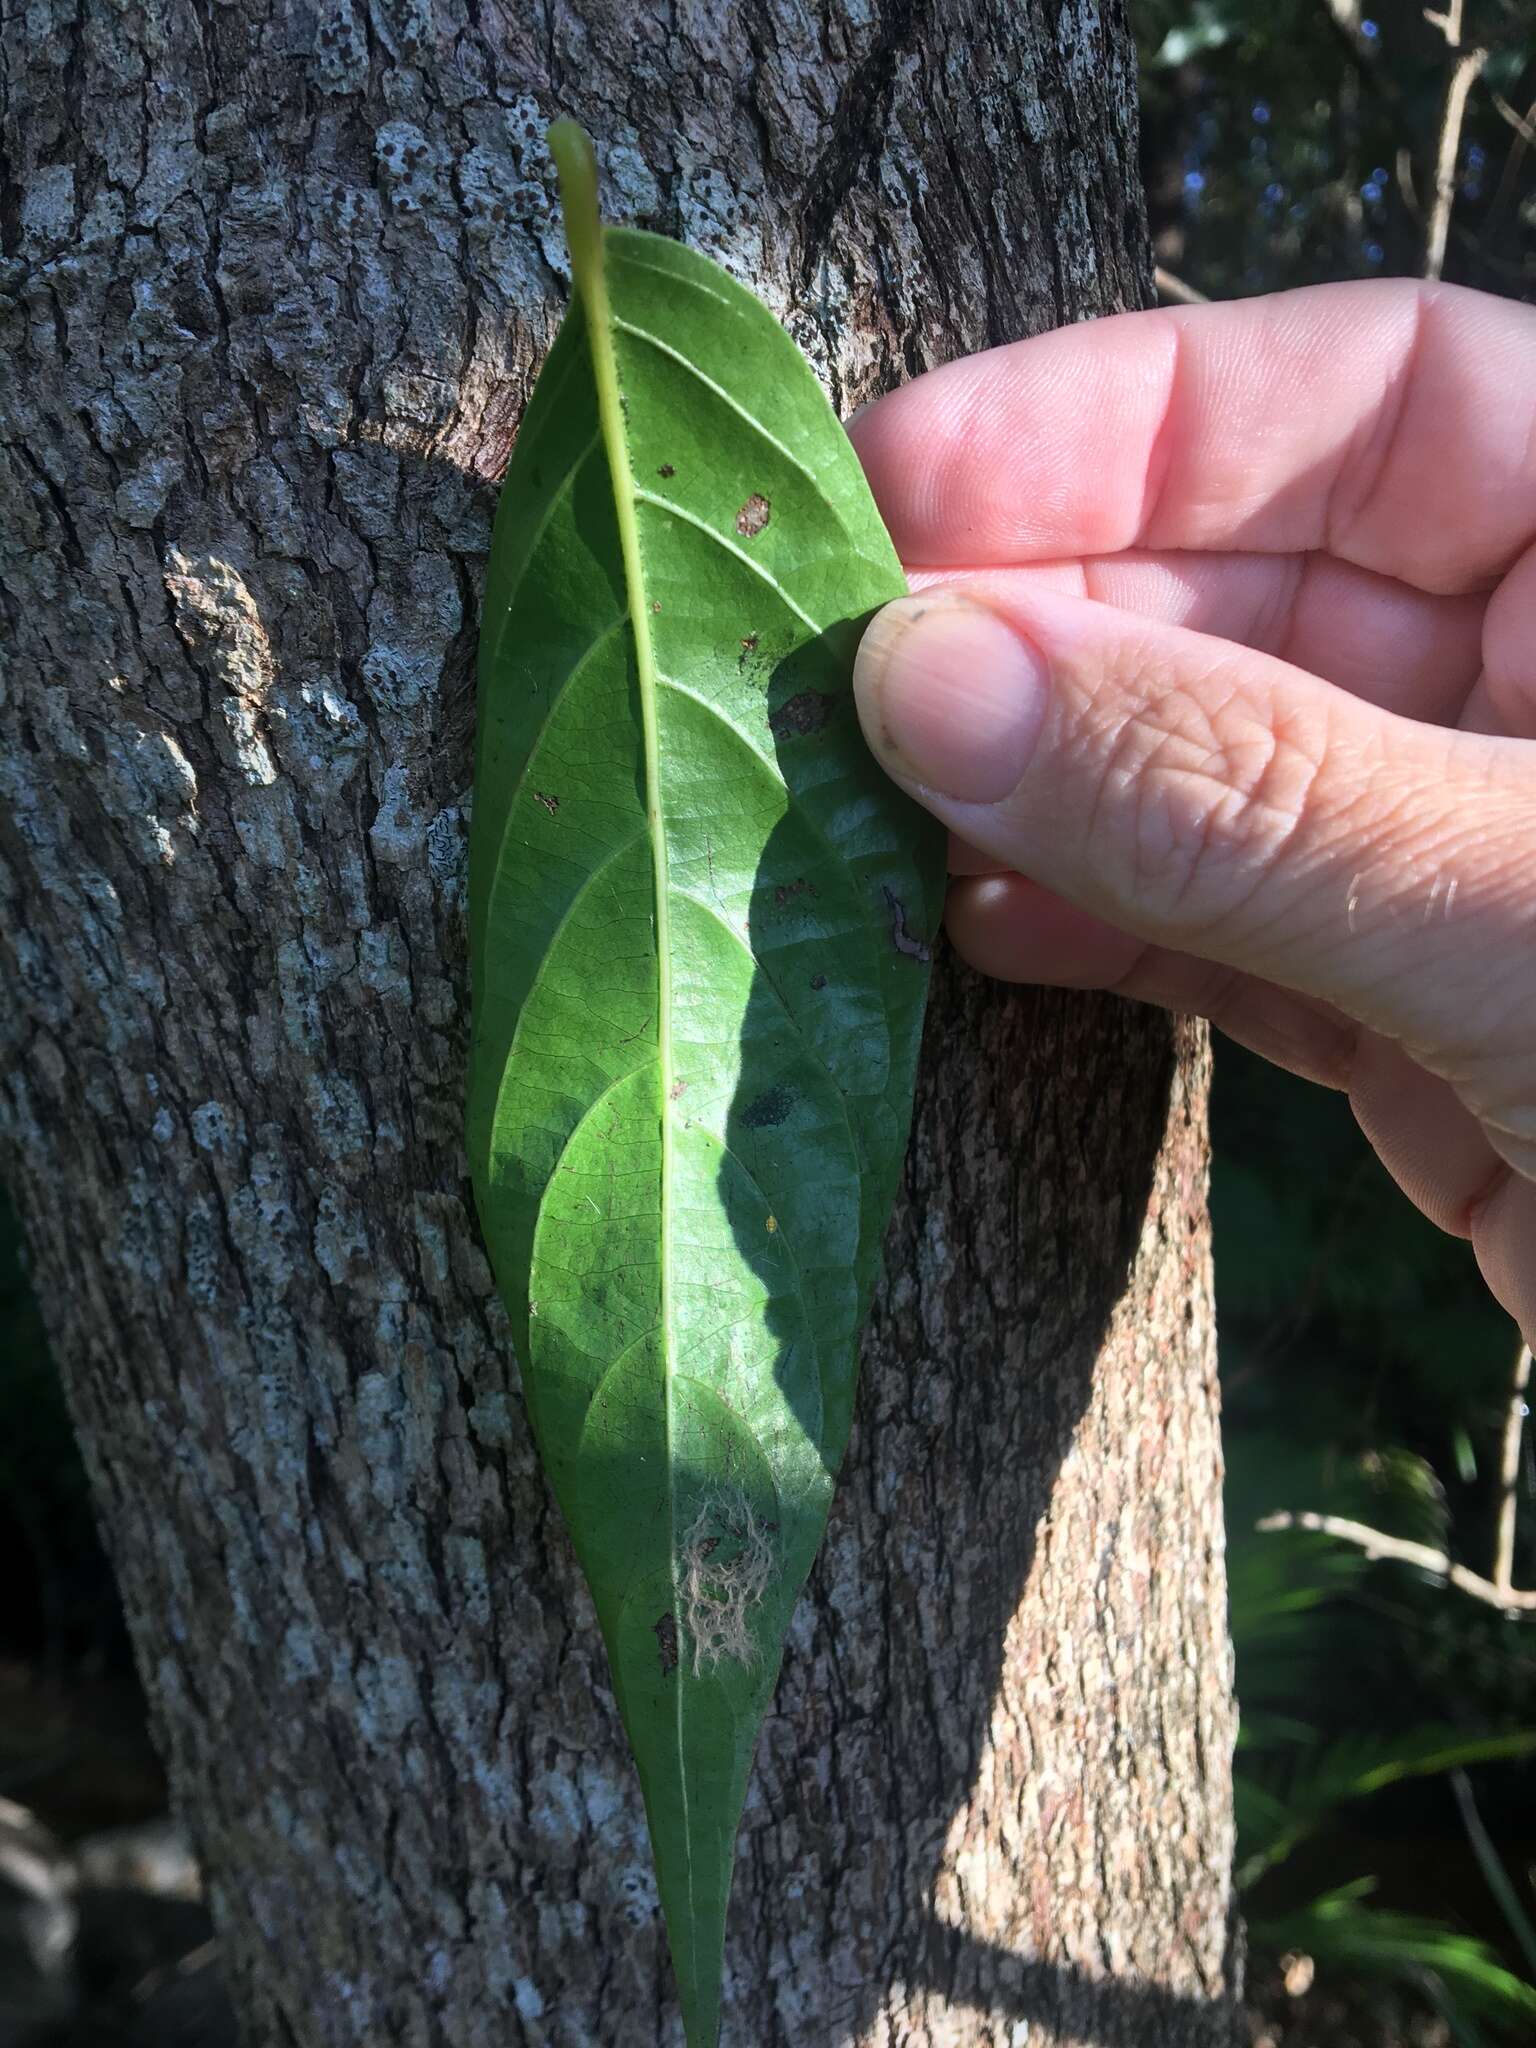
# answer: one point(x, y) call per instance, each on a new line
point(950, 695)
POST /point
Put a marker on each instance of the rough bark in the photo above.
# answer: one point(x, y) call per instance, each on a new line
point(275, 281)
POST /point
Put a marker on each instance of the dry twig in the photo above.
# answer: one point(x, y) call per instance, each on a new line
point(1464, 72)
point(1509, 1472)
point(1376, 1544)
point(1177, 290)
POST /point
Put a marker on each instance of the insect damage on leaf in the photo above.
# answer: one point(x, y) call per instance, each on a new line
point(665, 1631)
point(901, 938)
point(694, 1044)
point(804, 713)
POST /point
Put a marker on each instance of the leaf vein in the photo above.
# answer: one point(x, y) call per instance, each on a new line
point(742, 412)
point(523, 1008)
point(509, 603)
point(515, 795)
point(664, 504)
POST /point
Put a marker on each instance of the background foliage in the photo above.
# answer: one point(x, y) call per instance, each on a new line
point(1288, 142)
point(1365, 1373)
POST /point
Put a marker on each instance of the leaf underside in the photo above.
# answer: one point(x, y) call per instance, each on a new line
point(700, 919)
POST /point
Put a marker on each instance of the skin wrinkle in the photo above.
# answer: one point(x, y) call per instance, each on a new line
point(1447, 871)
point(1160, 448)
point(1477, 1209)
point(1494, 1085)
point(1510, 695)
point(1502, 1230)
point(1277, 623)
point(1177, 841)
point(1384, 429)
point(1378, 637)
point(1298, 1034)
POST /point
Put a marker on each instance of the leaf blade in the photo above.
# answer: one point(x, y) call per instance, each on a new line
point(694, 1031)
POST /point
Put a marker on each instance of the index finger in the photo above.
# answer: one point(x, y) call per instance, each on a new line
point(1392, 424)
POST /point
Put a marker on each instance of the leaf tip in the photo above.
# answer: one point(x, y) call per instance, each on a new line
point(699, 2001)
point(576, 168)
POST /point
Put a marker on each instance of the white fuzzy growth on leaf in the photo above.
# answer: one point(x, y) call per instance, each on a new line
point(726, 1563)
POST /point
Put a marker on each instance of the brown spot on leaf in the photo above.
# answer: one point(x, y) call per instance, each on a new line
point(903, 940)
point(666, 1637)
point(753, 516)
point(799, 715)
point(655, 604)
point(666, 469)
point(788, 891)
point(676, 1090)
point(818, 981)
point(550, 803)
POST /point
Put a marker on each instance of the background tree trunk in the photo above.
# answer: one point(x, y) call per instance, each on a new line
point(276, 279)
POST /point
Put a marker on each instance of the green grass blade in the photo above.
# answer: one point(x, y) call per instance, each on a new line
point(1275, 1817)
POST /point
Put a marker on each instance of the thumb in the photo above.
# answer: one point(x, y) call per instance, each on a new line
point(1218, 801)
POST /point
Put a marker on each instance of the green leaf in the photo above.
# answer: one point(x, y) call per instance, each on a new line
point(1459, 1974)
point(1352, 1767)
point(700, 923)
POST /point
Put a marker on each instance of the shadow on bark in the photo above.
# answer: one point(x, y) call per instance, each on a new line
point(987, 1474)
point(933, 1740)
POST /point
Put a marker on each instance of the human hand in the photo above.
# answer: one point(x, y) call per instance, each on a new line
point(1222, 672)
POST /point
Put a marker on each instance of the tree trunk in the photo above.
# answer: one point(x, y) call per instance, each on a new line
point(276, 279)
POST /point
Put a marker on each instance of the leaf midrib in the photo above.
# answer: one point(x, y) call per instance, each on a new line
point(589, 267)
